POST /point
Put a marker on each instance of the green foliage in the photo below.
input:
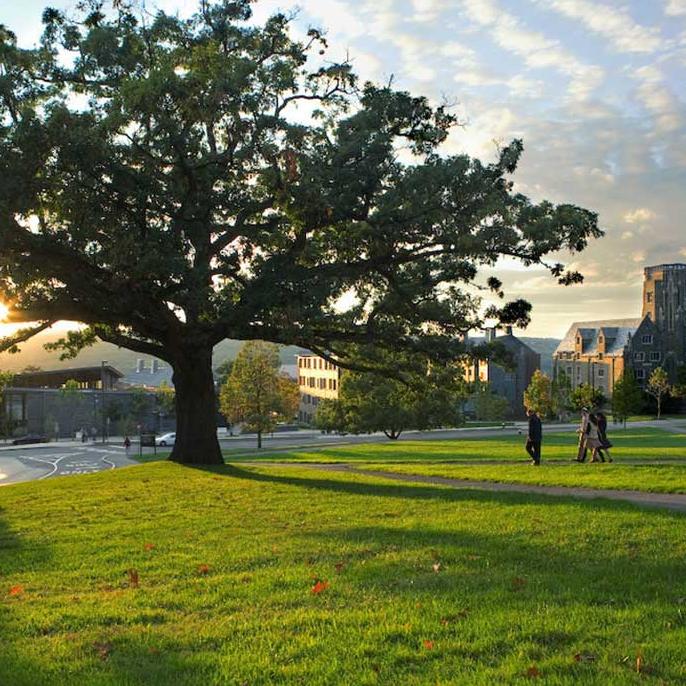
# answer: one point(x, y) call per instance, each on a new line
point(330, 416)
point(182, 181)
point(658, 387)
point(255, 393)
point(222, 372)
point(539, 395)
point(166, 399)
point(140, 403)
point(488, 406)
point(562, 394)
point(429, 396)
point(586, 396)
point(627, 396)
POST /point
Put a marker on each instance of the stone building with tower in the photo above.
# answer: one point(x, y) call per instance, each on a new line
point(596, 353)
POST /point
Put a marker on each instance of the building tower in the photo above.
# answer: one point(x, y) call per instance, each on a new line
point(664, 301)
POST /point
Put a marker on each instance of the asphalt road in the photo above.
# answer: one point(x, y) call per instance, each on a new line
point(31, 463)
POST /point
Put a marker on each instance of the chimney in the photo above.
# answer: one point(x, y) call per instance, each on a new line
point(491, 334)
point(154, 366)
point(140, 366)
point(508, 330)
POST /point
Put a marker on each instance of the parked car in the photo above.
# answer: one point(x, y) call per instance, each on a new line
point(30, 438)
point(165, 440)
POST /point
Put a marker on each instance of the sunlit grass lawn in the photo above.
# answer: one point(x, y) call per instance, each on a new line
point(644, 444)
point(424, 585)
point(662, 478)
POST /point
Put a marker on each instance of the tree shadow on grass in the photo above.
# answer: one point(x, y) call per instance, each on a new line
point(17, 556)
point(371, 484)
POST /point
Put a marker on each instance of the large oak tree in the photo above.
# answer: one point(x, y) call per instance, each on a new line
point(157, 186)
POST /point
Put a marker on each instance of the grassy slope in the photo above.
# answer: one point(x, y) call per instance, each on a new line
point(524, 583)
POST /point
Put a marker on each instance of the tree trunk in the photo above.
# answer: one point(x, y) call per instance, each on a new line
point(196, 409)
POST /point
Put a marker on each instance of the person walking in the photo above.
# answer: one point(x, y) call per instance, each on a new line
point(605, 443)
point(535, 437)
point(593, 442)
point(127, 444)
point(583, 434)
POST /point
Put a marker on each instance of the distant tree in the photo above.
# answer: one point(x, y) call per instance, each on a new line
point(140, 404)
point(166, 399)
point(222, 372)
point(488, 406)
point(562, 395)
point(586, 396)
point(428, 396)
point(330, 416)
point(539, 395)
point(679, 388)
point(255, 393)
point(6, 427)
point(31, 369)
point(627, 397)
point(71, 392)
point(159, 184)
point(658, 387)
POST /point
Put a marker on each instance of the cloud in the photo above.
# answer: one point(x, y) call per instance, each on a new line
point(639, 216)
point(613, 23)
point(657, 97)
point(675, 8)
point(537, 50)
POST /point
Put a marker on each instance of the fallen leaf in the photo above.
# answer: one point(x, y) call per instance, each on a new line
point(429, 645)
point(203, 570)
point(102, 649)
point(16, 590)
point(339, 567)
point(133, 578)
point(153, 651)
point(149, 546)
point(533, 672)
point(639, 664)
point(320, 586)
point(436, 566)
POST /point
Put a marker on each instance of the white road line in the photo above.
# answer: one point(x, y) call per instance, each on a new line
point(111, 464)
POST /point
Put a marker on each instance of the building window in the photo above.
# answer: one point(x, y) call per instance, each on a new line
point(649, 297)
point(640, 374)
point(601, 372)
point(639, 357)
point(647, 340)
point(600, 356)
point(655, 357)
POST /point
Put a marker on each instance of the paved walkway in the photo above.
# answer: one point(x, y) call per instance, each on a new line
point(670, 501)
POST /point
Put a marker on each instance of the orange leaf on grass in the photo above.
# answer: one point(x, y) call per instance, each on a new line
point(584, 657)
point(149, 546)
point(320, 586)
point(16, 590)
point(429, 645)
point(518, 583)
point(203, 570)
point(339, 567)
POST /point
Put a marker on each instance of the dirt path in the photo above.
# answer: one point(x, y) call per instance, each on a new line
point(670, 501)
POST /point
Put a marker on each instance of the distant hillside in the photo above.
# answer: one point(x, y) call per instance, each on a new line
point(125, 360)
point(32, 353)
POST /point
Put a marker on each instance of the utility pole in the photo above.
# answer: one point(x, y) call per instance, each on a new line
point(102, 397)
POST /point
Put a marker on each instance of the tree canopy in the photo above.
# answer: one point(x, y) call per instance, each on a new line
point(156, 185)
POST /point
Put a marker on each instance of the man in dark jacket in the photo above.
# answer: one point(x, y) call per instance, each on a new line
point(533, 442)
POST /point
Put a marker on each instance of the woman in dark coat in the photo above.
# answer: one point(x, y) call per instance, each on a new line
point(602, 435)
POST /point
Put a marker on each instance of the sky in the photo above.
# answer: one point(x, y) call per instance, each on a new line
point(596, 89)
